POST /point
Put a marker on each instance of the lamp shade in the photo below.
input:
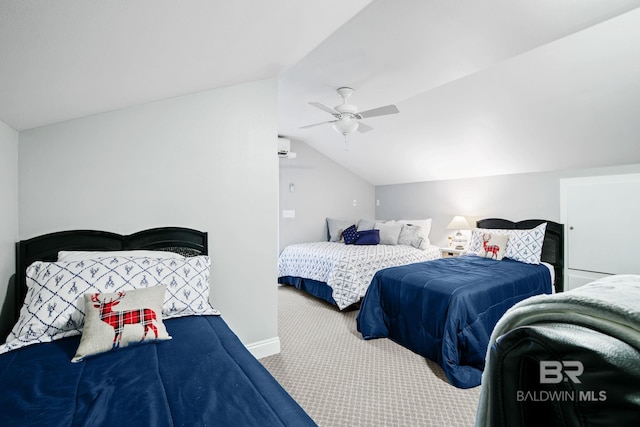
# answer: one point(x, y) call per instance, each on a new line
point(458, 223)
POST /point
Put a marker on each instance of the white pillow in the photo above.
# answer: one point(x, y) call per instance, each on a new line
point(389, 233)
point(412, 235)
point(425, 224)
point(54, 304)
point(367, 224)
point(84, 255)
point(336, 227)
point(524, 245)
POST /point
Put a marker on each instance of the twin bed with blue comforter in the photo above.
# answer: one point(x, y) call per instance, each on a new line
point(446, 309)
point(201, 375)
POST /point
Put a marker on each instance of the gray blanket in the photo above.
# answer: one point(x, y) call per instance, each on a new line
point(610, 305)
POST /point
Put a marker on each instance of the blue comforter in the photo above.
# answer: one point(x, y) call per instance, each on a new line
point(446, 309)
point(204, 376)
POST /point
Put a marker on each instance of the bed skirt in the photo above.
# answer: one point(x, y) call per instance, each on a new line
point(317, 289)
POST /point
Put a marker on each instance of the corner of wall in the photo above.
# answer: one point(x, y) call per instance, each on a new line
point(8, 221)
point(264, 348)
point(313, 187)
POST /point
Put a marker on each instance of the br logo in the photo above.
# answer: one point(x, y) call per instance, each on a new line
point(554, 372)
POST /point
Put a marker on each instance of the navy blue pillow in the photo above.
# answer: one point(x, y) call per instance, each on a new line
point(368, 237)
point(350, 235)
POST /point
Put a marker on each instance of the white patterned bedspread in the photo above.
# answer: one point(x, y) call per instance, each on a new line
point(347, 269)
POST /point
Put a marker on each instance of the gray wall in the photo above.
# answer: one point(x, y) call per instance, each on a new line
point(323, 188)
point(8, 218)
point(206, 161)
point(515, 197)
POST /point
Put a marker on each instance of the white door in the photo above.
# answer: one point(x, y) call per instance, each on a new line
point(602, 221)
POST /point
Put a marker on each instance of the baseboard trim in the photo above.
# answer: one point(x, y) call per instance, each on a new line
point(264, 348)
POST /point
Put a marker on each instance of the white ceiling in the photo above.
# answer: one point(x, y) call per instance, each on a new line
point(483, 87)
point(63, 59)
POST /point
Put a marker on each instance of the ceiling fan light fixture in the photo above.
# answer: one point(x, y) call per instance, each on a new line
point(345, 126)
point(346, 116)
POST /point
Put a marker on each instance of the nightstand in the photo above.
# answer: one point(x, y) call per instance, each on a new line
point(450, 252)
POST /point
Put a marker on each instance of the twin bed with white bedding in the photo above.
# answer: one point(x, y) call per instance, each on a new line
point(341, 273)
point(340, 270)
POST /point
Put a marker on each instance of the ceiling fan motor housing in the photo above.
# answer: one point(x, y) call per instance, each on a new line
point(345, 109)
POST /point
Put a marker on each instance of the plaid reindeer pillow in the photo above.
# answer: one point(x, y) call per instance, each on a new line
point(494, 246)
point(115, 320)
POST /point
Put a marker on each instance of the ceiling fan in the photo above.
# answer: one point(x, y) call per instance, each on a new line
point(347, 118)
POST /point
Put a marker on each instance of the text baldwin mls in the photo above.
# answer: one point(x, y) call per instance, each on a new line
point(561, 396)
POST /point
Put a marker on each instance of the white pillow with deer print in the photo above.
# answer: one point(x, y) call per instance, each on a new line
point(494, 246)
point(116, 320)
point(476, 242)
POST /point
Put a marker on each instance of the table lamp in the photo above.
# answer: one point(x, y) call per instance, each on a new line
point(459, 223)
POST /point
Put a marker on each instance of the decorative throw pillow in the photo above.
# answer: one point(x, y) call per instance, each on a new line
point(412, 235)
point(494, 246)
point(424, 223)
point(389, 233)
point(336, 228)
point(350, 235)
point(475, 242)
point(526, 245)
point(121, 319)
point(54, 304)
point(368, 237)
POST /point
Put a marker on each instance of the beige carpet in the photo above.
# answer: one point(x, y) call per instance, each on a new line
point(342, 380)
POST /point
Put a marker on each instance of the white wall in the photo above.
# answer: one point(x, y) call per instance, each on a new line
point(8, 220)
point(514, 197)
point(322, 188)
point(206, 161)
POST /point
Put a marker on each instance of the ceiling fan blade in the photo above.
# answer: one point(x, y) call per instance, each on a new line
point(363, 128)
point(317, 124)
point(324, 107)
point(380, 111)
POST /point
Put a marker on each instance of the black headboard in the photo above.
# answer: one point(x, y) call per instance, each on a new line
point(184, 241)
point(552, 248)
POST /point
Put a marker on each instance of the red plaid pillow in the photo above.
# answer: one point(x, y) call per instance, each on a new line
point(121, 319)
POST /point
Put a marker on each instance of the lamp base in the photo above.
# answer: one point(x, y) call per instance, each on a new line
point(459, 241)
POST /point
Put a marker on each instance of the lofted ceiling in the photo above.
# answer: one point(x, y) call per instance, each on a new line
point(483, 88)
point(62, 59)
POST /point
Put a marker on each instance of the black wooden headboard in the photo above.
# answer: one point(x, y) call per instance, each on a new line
point(552, 247)
point(185, 241)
